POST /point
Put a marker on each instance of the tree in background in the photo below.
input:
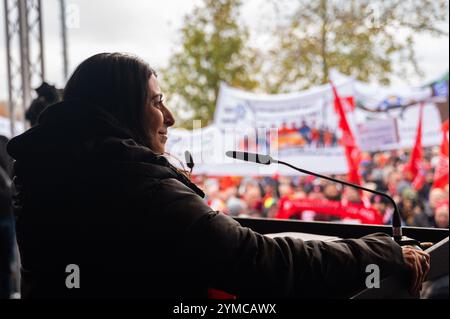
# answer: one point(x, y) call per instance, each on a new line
point(372, 40)
point(369, 39)
point(213, 49)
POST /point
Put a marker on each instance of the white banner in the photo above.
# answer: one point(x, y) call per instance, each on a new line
point(209, 145)
point(237, 108)
point(301, 128)
point(376, 134)
point(431, 129)
point(377, 104)
point(305, 123)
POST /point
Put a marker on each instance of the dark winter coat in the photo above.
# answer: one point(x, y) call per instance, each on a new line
point(89, 195)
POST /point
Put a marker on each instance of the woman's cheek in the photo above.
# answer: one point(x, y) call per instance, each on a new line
point(157, 118)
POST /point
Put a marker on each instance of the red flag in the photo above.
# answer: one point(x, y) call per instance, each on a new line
point(413, 167)
point(349, 103)
point(441, 172)
point(352, 152)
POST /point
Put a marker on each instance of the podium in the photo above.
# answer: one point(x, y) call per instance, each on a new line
point(391, 287)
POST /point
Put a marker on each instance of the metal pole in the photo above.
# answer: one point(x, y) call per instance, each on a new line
point(41, 39)
point(24, 56)
point(64, 39)
point(8, 64)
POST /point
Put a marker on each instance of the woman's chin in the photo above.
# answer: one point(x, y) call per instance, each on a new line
point(162, 149)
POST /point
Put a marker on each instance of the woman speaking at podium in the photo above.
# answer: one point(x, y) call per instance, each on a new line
point(102, 213)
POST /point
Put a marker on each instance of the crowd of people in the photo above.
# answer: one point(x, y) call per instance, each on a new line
point(306, 135)
point(382, 171)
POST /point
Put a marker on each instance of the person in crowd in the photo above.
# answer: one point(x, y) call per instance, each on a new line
point(332, 191)
point(352, 195)
point(270, 197)
point(97, 199)
point(410, 209)
point(327, 138)
point(252, 196)
point(236, 207)
point(305, 132)
point(46, 95)
point(437, 196)
point(321, 138)
point(315, 135)
point(383, 206)
point(334, 139)
point(284, 129)
point(441, 215)
point(316, 192)
point(393, 180)
point(7, 236)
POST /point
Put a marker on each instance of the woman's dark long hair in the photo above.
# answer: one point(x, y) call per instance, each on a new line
point(118, 83)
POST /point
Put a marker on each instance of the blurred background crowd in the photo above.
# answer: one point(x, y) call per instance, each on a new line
point(260, 197)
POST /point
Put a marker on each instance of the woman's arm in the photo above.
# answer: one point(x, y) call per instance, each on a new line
point(235, 259)
point(248, 264)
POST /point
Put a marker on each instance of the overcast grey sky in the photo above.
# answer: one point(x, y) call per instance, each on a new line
point(148, 28)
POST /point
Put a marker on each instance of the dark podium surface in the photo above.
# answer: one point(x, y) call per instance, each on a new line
point(391, 287)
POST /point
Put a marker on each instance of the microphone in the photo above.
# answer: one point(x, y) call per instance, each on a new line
point(189, 160)
point(250, 157)
point(397, 233)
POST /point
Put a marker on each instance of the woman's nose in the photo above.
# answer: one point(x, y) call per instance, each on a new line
point(169, 120)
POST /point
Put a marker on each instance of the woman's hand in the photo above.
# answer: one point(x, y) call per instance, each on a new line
point(418, 263)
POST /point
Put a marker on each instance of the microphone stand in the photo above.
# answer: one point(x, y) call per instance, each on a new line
point(397, 233)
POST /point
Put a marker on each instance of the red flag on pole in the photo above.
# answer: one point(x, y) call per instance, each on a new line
point(352, 152)
point(413, 167)
point(441, 172)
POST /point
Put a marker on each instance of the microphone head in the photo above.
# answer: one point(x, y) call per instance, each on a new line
point(250, 157)
point(189, 159)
